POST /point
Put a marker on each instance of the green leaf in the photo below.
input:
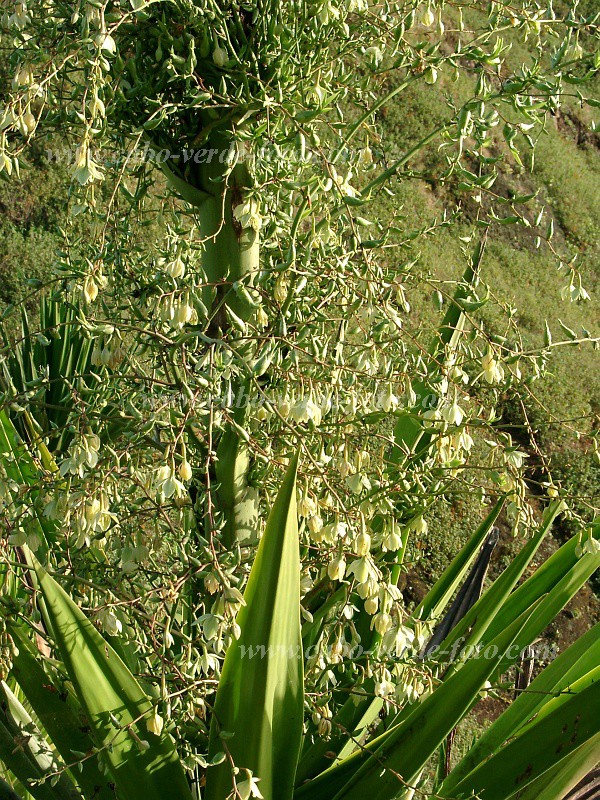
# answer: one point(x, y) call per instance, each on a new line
point(438, 597)
point(567, 667)
point(25, 752)
point(60, 715)
point(21, 468)
point(7, 792)
point(545, 580)
point(481, 615)
point(573, 724)
point(114, 703)
point(260, 698)
point(558, 781)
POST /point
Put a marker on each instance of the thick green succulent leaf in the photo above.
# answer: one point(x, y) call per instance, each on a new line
point(141, 763)
point(568, 667)
point(27, 754)
point(555, 600)
point(60, 715)
point(570, 726)
point(438, 597)
point(545, 580)
point(22, 469)
point(559, 780)
point(260, 698)
point(481, 615)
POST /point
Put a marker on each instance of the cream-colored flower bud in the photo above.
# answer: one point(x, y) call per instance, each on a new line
point(185, 470)
point(155, 724)
point(363, 544)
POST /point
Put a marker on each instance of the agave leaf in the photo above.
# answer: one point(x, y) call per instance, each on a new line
point(480, 616)
point(553, 602)
point(25, 752)
point(114, 703)
point(60, 715)
point(557, 676)
point(559, 780)
point(260, 697)
point(552, 738)
point(439, 595)
point(545, 581)
point(21, 469)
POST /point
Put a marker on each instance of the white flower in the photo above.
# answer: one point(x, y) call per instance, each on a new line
point(357, 482)
point(5, 163)
point(96, 515)
point(155, 724)
point(315, 524)
point(284, 407)
point(591, 546)
point(418, 525)
point(86, 170)
point(333, 532)
point(362, 569)
point(261, 317)
point(374, 55)
point(327, 12)
point(453, 414)
point(306, 410)
point(211, 583)
point(281, 289)
point(19, 18)
point(82, 454)
point(382, 622)
point(307, 506)
point(166, 484)
point(90, 289)
point(105, 42)
point(110, 622)
point(431, 75)
point(337, 569)
point(363, 544)
point(392, 539)
point(387, 400)
point(384, 687)
point(493, 372)
point(371, 605)
point(182, 312)
point(176, 268)
point(515, 458)
point(574, 293)
point(249, 787)
point(398, 640)
point(247, 214)
point(428, 18)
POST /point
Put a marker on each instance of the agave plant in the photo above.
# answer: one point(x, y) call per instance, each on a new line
point(75, 722)
point(43, 371)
